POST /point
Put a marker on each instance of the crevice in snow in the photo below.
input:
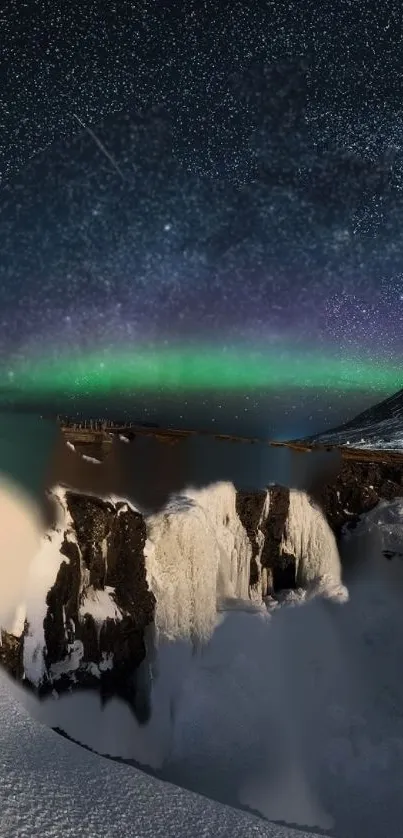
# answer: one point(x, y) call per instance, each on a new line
point(259, 591)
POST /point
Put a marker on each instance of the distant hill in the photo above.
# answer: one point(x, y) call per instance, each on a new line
point(378, 428)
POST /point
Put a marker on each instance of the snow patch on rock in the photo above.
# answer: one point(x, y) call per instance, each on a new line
point(100, 605)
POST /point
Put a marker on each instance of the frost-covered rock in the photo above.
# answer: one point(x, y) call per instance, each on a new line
point(88, 601)
point(308, 537)
point(197, 553)
point(108, 584)
point(358, 488)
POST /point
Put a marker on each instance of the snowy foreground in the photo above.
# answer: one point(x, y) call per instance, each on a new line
point(291, 708)
point(51, 788)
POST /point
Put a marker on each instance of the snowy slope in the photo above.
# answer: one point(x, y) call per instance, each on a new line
point(207, 620)
point(295, 712)
point(292, 711)
point(380, 427)
point(51, 788)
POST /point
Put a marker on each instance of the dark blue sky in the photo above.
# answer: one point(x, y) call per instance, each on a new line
point(256, 188)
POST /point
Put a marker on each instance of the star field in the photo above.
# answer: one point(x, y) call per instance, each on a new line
point(181, 172)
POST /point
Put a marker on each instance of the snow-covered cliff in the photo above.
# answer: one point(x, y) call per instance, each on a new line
point(104, 576)
point(295, 712)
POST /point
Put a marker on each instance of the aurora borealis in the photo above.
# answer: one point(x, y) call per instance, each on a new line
point(195, 369)
point(195, 201)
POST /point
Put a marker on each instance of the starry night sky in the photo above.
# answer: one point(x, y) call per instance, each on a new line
point(249, 188)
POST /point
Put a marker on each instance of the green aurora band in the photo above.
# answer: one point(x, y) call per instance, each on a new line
point(195, 369)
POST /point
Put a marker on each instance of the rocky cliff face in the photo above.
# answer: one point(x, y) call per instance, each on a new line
point(88, 629)
point(100, 603)
point(357, 489)
point(109, 583)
